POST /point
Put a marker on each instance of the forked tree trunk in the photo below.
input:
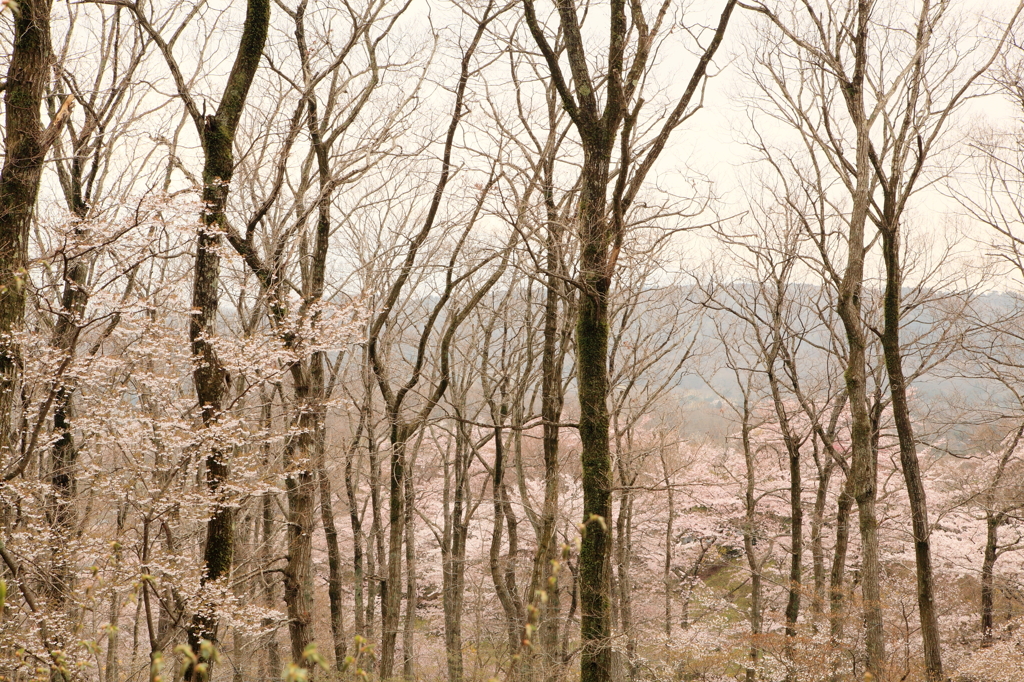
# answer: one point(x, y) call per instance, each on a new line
point(601, 128)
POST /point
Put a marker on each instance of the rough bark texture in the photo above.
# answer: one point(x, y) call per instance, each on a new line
point(300, 489)
point(592, 374)
point(25, 147)
point(217, 133)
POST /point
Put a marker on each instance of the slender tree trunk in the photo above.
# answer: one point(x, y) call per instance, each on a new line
point(513, 626)
point(358, 577)
point(543, 592)
point(623, 559)
point(908, 453)
point(375, 544)
point(863, 474)
point(749, 528)
point(64, 452)
point(796, 507)
point(837, 611)
point(411, 598)
point(391, 588)
point(817, 539)
point(272, 662)
point(669, 530)
point(453, 547)
point(111, 673)
point(334, 577)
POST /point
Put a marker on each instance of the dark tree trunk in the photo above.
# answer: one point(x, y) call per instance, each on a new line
point(993, 521)
point(358, 570)
point(453, 552)
point(217, 133)
point(25, 147)
point(795, 489)
point(507, 596)
point(837, 611)
point(391, 588)
point(334, 575)
point(601, 233)
point(300, 489)
point(908, 449)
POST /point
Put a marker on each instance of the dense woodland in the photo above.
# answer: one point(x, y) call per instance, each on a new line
point(635, 340)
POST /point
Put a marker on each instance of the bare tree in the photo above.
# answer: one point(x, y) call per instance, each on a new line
point(603, 130)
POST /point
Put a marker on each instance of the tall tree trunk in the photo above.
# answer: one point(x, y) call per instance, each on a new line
point(453, 552)
point(74, 299)
point(272, 661)
point(217, 133)
point(863, 474)
point(908, 451)
point(334, 576)
point(817, 535)
point(542, 596)
point(749, 528)
point(375, 543)
point(25, 145)
point(300, 489)
point(358, 577)
point(411, 599)
point(273, 658)
point(592, 375)
point(666, 577)
point(624, 556)
point(507, 596)
point(391, 588)
point(796, 507)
